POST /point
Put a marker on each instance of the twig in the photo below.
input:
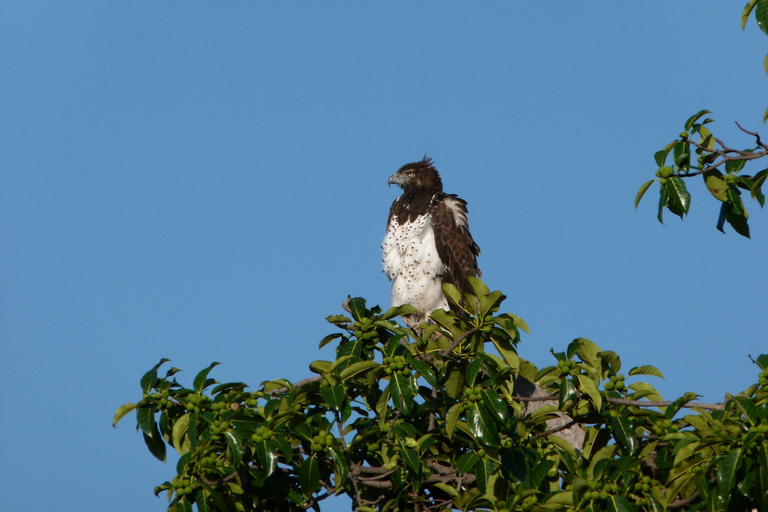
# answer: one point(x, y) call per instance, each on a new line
point(754, 134)
point(458, 342)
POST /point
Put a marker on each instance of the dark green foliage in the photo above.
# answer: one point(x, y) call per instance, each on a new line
point(434, 421)
point(713, 158)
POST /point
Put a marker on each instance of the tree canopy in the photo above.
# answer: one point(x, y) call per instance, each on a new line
point(441, 418)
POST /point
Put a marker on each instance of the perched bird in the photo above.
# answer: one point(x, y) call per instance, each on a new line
point(428, 241)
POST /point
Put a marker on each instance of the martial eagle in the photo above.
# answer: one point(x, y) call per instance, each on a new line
point(428, 241)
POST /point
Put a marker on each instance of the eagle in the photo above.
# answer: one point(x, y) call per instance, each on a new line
point(428, 241)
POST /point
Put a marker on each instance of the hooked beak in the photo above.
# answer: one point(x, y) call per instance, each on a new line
point(394, 180)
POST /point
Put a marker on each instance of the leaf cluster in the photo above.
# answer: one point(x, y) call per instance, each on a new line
point(439, 418)
point(719, 166)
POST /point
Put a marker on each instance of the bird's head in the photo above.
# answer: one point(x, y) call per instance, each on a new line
point(418, 175)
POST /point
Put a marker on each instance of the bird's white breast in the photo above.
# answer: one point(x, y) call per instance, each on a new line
point(412, 264)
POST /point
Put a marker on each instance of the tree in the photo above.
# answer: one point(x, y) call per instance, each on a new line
point(714, 157)
point(448, 416)
point(433, 420)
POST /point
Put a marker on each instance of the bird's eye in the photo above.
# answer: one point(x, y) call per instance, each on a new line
point(411, 174)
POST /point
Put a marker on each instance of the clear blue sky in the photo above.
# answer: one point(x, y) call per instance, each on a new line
point(206, 181)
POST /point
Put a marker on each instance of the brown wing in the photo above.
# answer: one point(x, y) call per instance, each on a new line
point(455, 246)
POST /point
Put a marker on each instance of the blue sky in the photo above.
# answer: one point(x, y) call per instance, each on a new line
point(206, 181)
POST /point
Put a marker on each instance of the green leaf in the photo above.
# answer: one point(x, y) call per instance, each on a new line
point(641, 192)
point(155, 443)
point(148, 380)
point(679, 198)
point(756, 190)
point(235, 447)
point(340, 465)
point(761, 15)
point(320, 367)
point(309, 475)
point(726, 472)
point(590, 387)
point(357, 368)
point(746, 12)
point(452, 418)
point(338, 319)
point(618, 504)
point(612, 358)
point(402, 394)
point(495, 404)
point(473, 369)
point(454, 384)
point(695, 117)
point(184, 505)
point(180, 428)
point(425, 372)
point(479, 287)
point(145, 417)
point(661, 157)
point(334, 396)
point(452, 294)
point(646, 370)
point(266, 451)
point(624, 434)
point(121, 412)
point(715, 184)
point(356, 307)
point(467, 462)
point(765, 114)
point(482, 426)
point(483, 472)
point(539, 472)
point(507, 352)
point(329, 338)
point(663, 200)
point(645, 390)
point(733, 196)
point(567, 394)
point(201, 379)
point(412, 459)
point(405, 309)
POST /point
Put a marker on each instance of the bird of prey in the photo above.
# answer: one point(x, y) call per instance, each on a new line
point(428, 241)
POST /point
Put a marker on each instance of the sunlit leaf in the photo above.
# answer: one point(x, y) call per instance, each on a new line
point(235, 446)
point(453, 417)
point(329, 339)
point(201, 379)
point(402, 394)
point(179, 431)
point(121, 412)
point(357, 368)
point(725, 477)
point(334, 396)
point(495, 404)
point(482, 426)
point(425, 372)
point(646, 370)
point(695, 117)
point(356, 306)
point(678, 196)
point(746, 12)
point(624, 434)
point(641, 192)
point(567, 394)
point(591, 389)
point(473, 369)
